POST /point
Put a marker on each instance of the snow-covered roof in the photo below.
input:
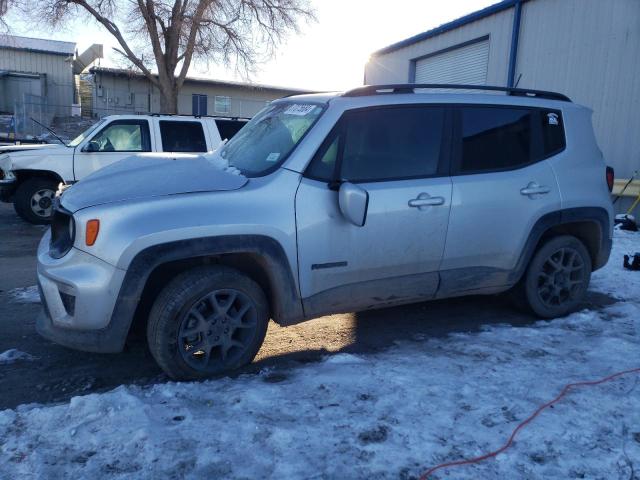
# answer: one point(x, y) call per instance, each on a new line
point(56, 47)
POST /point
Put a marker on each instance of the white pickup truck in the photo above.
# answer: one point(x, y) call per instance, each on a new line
point(30, 174)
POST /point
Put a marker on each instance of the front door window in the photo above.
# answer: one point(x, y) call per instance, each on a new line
point(121, 136)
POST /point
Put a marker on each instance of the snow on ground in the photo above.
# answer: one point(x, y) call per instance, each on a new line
point(13, 355)
point(25, 294)
point(387, 415)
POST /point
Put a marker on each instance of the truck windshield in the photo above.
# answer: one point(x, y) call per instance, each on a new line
point(76, 141)
point(268, 139)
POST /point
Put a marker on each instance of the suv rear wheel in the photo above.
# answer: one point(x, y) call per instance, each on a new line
point(33, 200)
point(557, 278)
point(207, 321)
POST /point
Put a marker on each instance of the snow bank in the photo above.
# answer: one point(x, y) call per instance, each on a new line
point(13, 355)
point(385, 415)
point(25, 294)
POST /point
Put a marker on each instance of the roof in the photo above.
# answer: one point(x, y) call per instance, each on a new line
point(40, 45)
point(209, 81)
point(472, 17)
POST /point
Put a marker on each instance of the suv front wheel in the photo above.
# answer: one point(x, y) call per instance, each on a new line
point(557, 278)
point(207, 321)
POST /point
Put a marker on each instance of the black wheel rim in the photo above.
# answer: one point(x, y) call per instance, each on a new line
point(217, 330)
point(561, 277)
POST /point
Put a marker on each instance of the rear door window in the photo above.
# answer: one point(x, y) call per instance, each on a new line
point(182, 136)
point(496, 138)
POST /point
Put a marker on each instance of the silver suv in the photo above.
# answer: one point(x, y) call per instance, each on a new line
point(328, 203)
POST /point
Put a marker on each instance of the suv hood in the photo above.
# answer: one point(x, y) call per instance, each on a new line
point(150, 175)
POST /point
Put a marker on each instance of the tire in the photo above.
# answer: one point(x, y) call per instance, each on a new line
point(201, 311)
point(33, 200)
point(557, 278)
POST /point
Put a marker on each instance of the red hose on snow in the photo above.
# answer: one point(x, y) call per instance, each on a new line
point(520, 426)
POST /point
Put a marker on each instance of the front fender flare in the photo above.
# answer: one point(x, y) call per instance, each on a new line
point(286, 304)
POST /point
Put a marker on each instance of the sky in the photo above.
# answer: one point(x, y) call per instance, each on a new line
point(329, 54)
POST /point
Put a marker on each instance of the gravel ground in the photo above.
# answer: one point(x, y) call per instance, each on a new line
point(56, 374)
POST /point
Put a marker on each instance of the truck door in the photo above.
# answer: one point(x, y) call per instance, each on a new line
point(118, 139)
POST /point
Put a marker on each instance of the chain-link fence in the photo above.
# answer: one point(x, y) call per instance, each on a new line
point(35, 120)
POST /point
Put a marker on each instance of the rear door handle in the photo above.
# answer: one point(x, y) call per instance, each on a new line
point(534, 189)
point(425, 200)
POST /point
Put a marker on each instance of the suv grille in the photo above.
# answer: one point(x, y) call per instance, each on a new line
point(63, 232)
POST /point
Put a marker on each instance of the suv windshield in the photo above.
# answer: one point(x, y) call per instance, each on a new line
point(76, 141)
point(268, 139)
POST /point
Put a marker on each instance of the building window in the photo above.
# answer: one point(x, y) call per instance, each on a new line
point(222, 104)
point(198, 104)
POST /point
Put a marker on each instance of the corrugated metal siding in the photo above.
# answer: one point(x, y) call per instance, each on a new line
point(590, 50)
point(116, 90)
point(394, 67)
point(465, 65)
point(58, 71)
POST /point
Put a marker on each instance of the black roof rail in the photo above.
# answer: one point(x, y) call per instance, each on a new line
point(410, 88)
point(220, 117)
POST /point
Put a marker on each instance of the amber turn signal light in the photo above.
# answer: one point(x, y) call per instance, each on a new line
point(91, 233)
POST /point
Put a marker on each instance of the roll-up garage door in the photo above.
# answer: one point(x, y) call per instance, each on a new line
point(465, 65)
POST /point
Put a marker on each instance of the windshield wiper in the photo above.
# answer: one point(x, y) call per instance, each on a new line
point(50, 131)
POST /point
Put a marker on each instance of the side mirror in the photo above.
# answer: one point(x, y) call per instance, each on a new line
point(353, 202)
point(92, 146)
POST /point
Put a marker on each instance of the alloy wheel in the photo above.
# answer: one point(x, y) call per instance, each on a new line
point(561, 277)
point(217, 329)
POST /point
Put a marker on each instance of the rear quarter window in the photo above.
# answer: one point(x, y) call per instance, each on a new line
point(228, 128)
point(552, 132)
point(182, 136)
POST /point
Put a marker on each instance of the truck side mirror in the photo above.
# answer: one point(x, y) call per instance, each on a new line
point(353, 202)
point(92, 146)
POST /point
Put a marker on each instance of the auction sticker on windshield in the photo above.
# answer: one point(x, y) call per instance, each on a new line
point(300, 109)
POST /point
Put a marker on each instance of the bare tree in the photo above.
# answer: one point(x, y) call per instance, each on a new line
point(4, 8)
point(171, 34)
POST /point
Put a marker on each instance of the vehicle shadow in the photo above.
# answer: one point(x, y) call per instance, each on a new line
point(377, 330)
point(60, 373)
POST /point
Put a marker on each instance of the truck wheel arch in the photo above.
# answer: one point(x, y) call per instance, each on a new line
point(23, 175)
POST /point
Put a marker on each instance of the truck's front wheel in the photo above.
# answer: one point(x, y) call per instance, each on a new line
point(207, 321)
point(33, 200)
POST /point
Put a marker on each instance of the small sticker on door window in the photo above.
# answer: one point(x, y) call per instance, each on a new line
point(552, 118)
point(299, 109)
point(273, 157)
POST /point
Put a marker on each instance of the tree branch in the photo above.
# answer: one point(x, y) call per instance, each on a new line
point(113, 29)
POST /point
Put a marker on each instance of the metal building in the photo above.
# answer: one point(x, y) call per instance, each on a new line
point(36, 68)
point(586, 49)
point(124, 91)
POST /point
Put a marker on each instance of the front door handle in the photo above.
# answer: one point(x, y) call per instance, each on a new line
point(534, 189)
point(425, 200)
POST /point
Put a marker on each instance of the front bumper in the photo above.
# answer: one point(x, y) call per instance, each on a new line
point(7, 189)
point(78, 293)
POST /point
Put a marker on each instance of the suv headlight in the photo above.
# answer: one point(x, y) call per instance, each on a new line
point(63, 233)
